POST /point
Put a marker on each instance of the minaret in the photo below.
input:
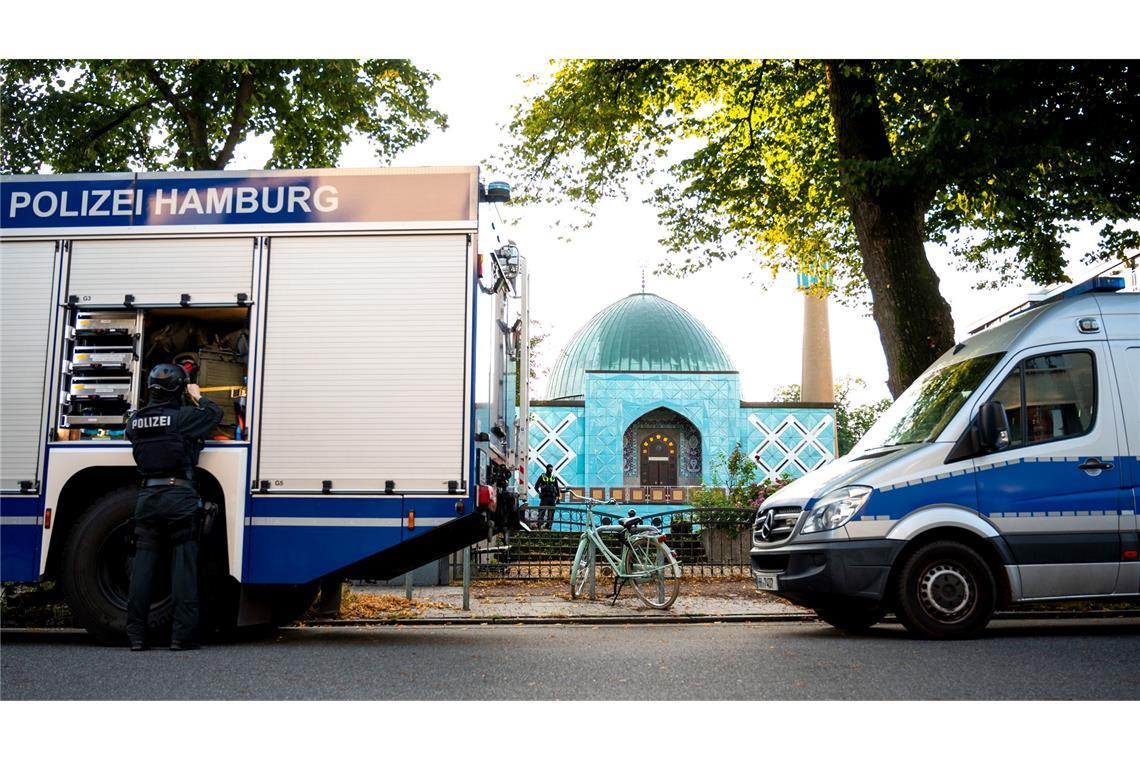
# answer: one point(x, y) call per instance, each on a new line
point(816, 382)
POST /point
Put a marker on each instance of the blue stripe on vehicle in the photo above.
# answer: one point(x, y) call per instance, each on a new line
point(1032, 487)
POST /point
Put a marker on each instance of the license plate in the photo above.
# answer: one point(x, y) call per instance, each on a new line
point(766, 582)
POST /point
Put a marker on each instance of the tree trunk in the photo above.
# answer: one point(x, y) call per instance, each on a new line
point(914, 320)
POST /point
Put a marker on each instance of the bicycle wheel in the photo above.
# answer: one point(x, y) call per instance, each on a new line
point(580, 570)
point(653, 571)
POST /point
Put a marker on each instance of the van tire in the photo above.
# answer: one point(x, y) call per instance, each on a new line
point(945, 590)
point(851, 618)
point(96, 569)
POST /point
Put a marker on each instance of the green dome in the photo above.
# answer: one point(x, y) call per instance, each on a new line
point(640, 333)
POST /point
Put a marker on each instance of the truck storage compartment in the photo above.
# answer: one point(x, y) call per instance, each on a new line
point(109, 353)
point(212, 343)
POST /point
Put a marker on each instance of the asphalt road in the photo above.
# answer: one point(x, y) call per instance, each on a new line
point(1038, 660)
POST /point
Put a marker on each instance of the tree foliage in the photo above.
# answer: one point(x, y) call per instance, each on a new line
point(1009, 155)
point(847, 168)
point(115, 115)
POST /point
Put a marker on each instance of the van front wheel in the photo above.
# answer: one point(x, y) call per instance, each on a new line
point(945, 591)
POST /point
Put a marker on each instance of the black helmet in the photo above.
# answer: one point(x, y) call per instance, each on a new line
point(168, 379)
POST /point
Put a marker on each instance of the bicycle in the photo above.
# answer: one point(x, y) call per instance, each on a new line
point(646, 561)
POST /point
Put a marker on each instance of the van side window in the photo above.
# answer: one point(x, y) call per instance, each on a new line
point(1049, 397)
point(1059, 395)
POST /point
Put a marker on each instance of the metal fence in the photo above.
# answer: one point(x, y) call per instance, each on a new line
point(708, 542)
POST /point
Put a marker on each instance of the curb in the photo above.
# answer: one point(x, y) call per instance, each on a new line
point(77, 635)
point(771, 617)
point(776, 617)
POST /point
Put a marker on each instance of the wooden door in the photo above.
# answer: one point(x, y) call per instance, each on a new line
point(659, 459)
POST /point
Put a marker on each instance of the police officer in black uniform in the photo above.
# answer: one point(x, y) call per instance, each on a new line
point(549, 492)
point(167, 437)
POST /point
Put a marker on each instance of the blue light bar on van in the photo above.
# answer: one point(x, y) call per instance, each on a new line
point(1095, 285)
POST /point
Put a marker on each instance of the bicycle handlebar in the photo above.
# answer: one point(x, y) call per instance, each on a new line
point(588, 500)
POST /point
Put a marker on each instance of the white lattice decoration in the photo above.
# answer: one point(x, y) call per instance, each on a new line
point(790, 455)
point(552, 437)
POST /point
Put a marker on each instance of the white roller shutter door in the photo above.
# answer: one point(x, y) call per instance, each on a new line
point(365, 367)
point(209, 270)
point(26, 280)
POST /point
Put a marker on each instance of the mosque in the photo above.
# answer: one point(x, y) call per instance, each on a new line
point(644, 402)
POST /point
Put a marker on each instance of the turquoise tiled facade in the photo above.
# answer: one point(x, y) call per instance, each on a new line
point(584, 443)
point(643, 354)
point(557, 436)
point(615, 401)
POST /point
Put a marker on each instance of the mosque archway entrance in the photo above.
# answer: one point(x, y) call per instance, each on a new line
point(659, 459)
point(662, 448)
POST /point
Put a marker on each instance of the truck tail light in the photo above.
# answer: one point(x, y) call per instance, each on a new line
point(47, 519)
point(486, 497)
point(411, 520)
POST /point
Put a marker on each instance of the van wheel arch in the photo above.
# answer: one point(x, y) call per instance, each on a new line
point(984, 548)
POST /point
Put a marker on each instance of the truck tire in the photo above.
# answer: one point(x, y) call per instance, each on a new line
point(945, 591)
point(851, 618)
point(96, 569)
point(96, 575)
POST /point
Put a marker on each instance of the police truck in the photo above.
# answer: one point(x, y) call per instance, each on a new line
point(331, 313)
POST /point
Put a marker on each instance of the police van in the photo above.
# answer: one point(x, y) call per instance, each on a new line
point(331, 313)
point(1006, 474)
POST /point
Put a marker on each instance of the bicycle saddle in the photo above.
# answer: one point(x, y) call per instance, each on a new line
point(629, 523)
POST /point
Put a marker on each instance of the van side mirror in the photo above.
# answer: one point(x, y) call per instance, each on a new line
point(993, 427)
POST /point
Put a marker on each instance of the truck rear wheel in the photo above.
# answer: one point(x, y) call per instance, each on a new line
point(96, 570)
point(945, 591)
point(96, 575)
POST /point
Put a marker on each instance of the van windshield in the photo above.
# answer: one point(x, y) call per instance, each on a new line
point(928, 405)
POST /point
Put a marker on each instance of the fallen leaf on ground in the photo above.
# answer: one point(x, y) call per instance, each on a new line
point(359, 606)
